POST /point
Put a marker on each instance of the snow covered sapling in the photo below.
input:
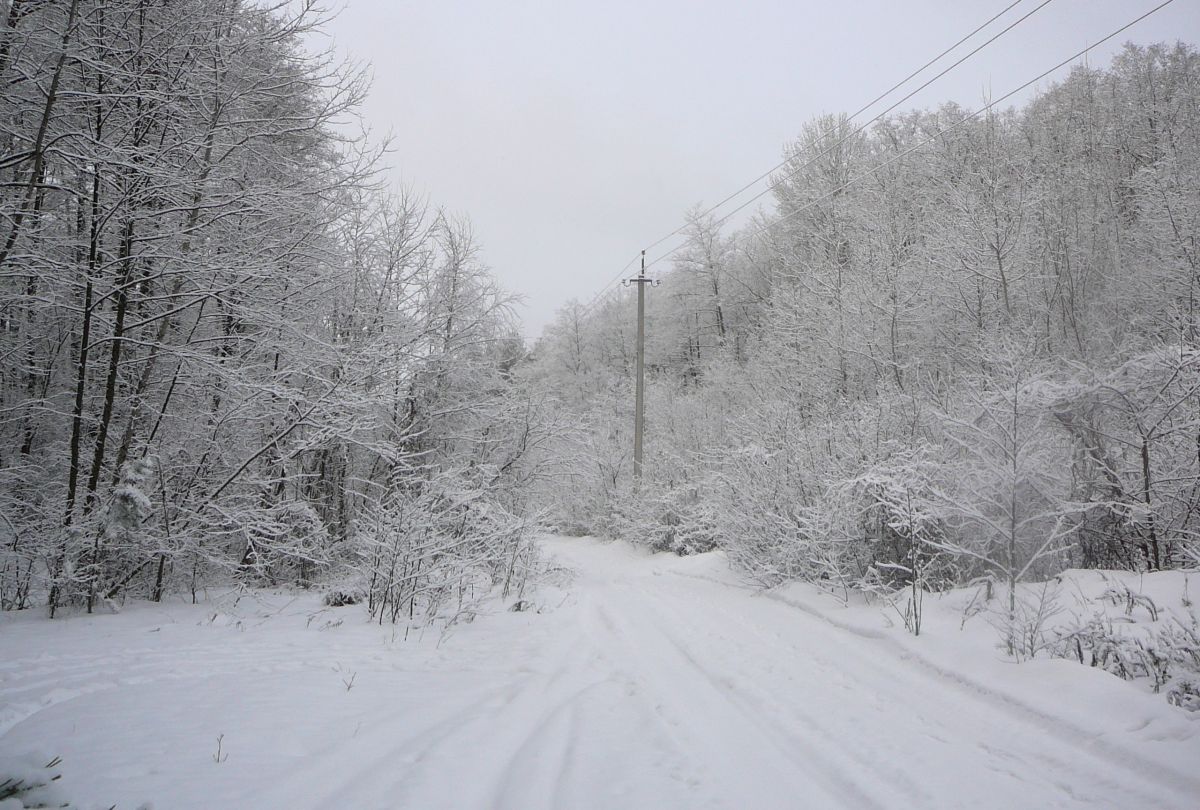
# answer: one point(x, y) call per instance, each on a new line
point(904, 518)
point(130, 505)
point(123, 520)
point(1005, 497)
point(1034, 610)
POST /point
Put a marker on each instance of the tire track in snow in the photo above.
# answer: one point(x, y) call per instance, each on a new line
point(491, 737)
point(715, 726)
point(904, 679)
point(1096, 762)
point(530, 754)
point(349, 778)
point(742, 689)
point(35, 684)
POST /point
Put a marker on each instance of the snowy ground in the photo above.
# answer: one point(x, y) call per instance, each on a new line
point(644, 682)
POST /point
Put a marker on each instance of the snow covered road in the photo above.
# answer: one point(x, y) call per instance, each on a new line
point(649, 682)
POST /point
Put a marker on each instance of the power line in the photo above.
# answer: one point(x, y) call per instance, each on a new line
point(943, 131)
point(863, 126)
point(596, 298)
point(599, 295)
point(867, 106)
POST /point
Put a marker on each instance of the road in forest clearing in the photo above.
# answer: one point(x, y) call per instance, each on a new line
point(644, 684)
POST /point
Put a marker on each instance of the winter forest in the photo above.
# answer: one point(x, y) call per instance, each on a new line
point(228, 351)
point(952, 350)
point(953, 353)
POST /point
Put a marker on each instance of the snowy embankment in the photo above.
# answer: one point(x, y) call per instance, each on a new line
point(639, 682)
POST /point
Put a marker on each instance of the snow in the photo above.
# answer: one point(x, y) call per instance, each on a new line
point(637, 681)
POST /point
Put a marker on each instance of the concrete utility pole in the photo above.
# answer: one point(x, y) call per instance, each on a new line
point(639, 408)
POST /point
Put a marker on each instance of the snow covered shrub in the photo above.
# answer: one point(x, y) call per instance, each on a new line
point(901, 527)
point(286, 541)
point(1185, 694)
point(694, 535)
point(761, 515)
point(1133, 427)
point(1133, 637)
point(1095, 644)
point(674, 519)
point(1120, 594)
point(130, 505)
point(30, 783)
point(792, 501)
point(1098, 643)
point(1181, 645)
point(440, 544)
point(340, 597)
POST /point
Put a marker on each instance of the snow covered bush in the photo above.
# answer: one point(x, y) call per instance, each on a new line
point(30, 782)
point(441, 544)
point(1135, 636)
point(674, 519)
point(341, 597)
point(901, 524)
point(1185, 694)
point(130, 505)
point(1133, 428)
point(1189, 556)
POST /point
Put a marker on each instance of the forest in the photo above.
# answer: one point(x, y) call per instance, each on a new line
point(232, 349)
point(958, 348)
point(953, 348)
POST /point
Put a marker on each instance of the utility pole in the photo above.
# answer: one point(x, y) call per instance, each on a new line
point(639, 408)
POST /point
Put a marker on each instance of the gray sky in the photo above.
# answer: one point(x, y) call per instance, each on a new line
point(575, 133)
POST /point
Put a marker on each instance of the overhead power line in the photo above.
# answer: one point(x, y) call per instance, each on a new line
point(872, 103)
point(970, 116)
point(857, 130)
point(620, 275)
point(615, 279)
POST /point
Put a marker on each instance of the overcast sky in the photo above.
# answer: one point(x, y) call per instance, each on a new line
point(575, 133)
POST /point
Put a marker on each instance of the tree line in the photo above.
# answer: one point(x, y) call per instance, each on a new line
point(975, 358)
point(231, 350)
